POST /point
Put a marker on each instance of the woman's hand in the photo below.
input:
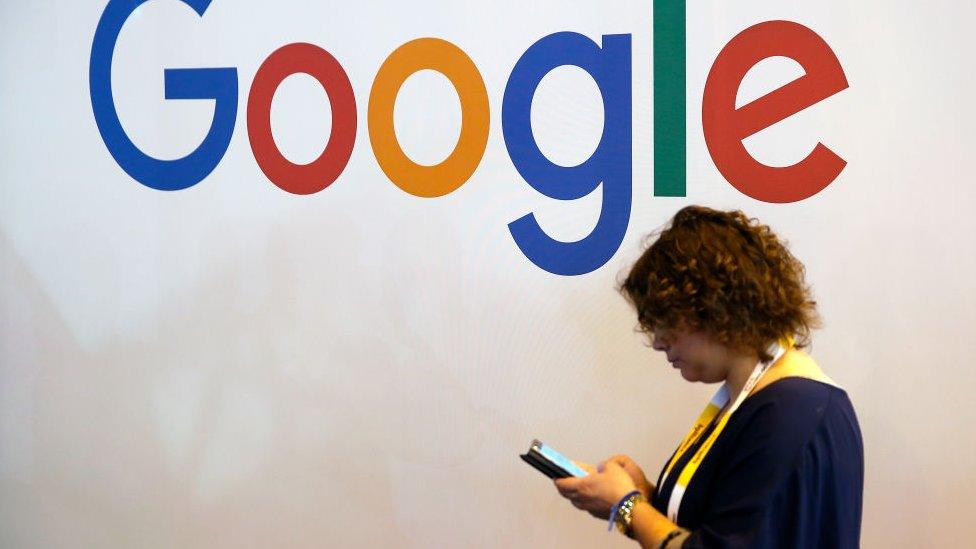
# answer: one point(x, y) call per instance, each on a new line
point(635, 472)
point(597, 492)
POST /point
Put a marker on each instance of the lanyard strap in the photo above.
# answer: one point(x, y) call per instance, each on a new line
point(714, 407)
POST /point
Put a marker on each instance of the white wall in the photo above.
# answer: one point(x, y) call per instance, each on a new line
point(232, 365)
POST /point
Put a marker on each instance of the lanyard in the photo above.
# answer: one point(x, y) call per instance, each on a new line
point(714, 407)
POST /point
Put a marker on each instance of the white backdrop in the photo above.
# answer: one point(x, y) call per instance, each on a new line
point(233, 365)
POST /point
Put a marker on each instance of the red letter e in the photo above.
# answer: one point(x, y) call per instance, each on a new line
point(725, 126)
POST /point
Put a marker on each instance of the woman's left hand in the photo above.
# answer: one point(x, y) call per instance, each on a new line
point(598, 491)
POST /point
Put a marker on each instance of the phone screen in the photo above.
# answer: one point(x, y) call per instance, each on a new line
point(561, 461)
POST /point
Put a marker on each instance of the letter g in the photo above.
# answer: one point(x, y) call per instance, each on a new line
point(219, 84)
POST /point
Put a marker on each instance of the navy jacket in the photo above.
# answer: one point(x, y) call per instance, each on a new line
point(787, 471)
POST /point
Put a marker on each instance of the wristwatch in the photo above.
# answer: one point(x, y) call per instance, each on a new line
point(624, 514)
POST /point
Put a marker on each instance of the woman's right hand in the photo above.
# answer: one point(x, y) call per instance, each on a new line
point(635, 472)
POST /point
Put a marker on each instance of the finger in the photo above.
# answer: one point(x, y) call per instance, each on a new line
point(567, 489)
point(571, 488)
point(568, 483)
point(622, 460)
point(566, 492)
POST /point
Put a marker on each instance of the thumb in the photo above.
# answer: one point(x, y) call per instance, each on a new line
point(611, 466)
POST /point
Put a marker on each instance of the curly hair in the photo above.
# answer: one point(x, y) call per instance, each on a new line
point(725, 274)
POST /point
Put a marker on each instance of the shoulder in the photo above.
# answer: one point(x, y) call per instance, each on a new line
point(794, 401)
point(779, 421)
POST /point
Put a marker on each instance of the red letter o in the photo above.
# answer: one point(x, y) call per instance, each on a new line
point(319, 64)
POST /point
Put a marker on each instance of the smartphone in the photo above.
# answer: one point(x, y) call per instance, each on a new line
point(550, 462)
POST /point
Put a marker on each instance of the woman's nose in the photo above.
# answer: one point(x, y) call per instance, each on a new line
point(659, 343)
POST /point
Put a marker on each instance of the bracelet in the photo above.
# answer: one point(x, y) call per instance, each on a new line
point(620, 512)
point(671, 535)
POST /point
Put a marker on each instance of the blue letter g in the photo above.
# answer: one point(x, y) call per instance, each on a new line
point(219, 84)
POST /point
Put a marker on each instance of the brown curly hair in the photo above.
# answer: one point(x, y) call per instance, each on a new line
point(725, 274)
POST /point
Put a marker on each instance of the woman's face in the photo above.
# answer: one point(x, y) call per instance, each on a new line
point(696, 354)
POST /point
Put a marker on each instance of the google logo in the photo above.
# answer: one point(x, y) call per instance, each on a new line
point(609, 168)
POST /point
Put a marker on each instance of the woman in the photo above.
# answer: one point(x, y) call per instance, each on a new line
point(776, 458)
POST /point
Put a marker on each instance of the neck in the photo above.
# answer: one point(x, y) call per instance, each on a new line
point(739, 370)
